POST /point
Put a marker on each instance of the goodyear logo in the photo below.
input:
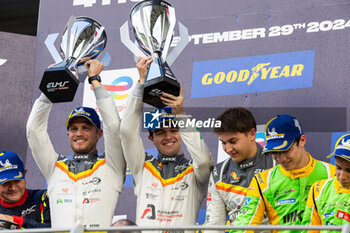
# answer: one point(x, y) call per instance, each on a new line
point(253, 74)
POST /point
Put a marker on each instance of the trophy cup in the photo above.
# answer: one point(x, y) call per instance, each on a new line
point(83, 39)
point(153, 22)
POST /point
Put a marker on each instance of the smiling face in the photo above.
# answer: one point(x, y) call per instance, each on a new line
point(12, 191)
point(342, 171)
point(167, 141)
point(295, 157)
point(83, 136)
point(239, 146)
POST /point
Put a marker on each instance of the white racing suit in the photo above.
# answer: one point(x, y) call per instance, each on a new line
point(227, 187)
point(83, 190)
point(169, 190)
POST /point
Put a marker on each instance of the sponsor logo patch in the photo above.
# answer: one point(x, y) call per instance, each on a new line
point(254, 74)
point(286, 201)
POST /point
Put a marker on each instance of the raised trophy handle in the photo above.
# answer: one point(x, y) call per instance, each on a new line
point(169, 35)
point(125, 39)
point(184, 40)
point(69, 27)
point(99, 32)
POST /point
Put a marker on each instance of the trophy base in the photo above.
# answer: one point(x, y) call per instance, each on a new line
point(59, 84)
point(155, 87)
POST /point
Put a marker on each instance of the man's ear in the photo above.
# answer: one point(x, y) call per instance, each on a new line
point(25, 171)
point(100, 132)
point(252, 134)
point(302, 141)
point(150, 138)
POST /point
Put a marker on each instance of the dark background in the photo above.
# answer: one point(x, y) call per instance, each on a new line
point(19, 16)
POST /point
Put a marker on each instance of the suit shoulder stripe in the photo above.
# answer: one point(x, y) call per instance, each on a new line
point(63, 167)
point(154, 171)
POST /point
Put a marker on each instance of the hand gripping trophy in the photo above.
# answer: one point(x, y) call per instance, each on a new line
point(83, 39)
point(153, 22)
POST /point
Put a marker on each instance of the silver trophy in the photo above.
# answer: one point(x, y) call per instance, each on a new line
point(83, 38)
point(153, 22)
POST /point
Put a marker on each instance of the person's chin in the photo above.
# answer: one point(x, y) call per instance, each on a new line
point(287, 166)
point(13, 198)
point(236, 158)
point(169, 153)
point(345, 185)
point(80, 150)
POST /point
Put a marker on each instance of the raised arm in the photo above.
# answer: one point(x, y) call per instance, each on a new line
point(132, 145)
point(202, 160)
point(111, 123)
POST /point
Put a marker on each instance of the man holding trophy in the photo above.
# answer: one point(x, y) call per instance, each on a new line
point(169, 188)
point(83, 190)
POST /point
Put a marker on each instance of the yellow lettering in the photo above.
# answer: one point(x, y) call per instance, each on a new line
point(264, 72)
point(274, 72)
point(243, 75)
point(231, 76)
point(219, 77)
point(297, 69)
point(285, 72)
point(206, 80)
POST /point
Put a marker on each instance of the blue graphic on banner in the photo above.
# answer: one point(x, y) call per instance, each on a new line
point(128, 177)
point(253, 74)
point(201, 218)
point(260, 138)
point(335, 137)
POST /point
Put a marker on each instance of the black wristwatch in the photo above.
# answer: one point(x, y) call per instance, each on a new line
point(95, 77)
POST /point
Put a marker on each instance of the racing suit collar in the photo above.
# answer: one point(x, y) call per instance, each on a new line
point(18, 203)
point(339, 188)
point(250, 162)
point(85, 157)
point(171, 159)
point(302, 172)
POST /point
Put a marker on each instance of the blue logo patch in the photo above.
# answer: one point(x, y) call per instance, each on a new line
point(247, 200)
point(327, 215)
point(286, 201)
point(253, 74)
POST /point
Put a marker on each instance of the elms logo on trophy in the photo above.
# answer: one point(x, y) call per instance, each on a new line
point(82, 39)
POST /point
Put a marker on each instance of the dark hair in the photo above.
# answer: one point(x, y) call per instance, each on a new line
point(297, 140)
point(172, 125)
point(235, 120)
point(125, 222)
point(150, 133)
